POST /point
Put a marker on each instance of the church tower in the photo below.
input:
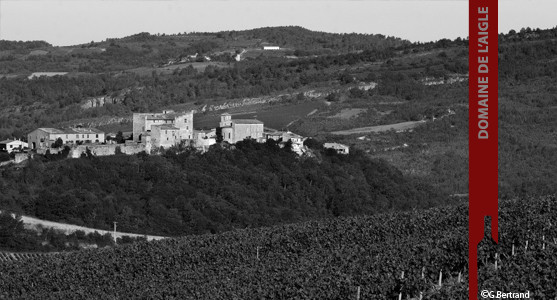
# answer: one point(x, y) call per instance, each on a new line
point(225, 120)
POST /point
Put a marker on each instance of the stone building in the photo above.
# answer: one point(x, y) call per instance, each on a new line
point(237, 130)
point(165, 136)
point(162, 129)
point(42, 138)
point(205, 139)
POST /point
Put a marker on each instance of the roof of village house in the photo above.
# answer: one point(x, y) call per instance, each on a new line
point(50, 130)
point(287, 134)
point(335, 146)
point(82, 130)
point(71, 130)
point(246, 121)
point(11, 141)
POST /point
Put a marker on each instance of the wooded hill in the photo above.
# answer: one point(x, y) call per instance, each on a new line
point(190, 193)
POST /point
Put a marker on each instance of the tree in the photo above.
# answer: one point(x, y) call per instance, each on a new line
point(4, 156)
point(58, 143)
point(10, 229)
point(333, 97)
point(346, 78)
point(313, 144)
point(120, 137)
point(118, 150)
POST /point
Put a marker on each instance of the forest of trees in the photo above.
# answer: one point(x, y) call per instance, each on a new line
point(185, 192)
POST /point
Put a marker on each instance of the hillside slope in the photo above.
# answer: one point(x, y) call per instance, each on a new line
point(314, 260)
point(185, 192)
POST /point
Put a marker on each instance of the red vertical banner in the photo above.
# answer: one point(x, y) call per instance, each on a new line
point(483, 129)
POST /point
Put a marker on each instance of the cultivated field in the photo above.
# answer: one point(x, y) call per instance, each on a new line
point(273, 116)
point(421, 254)
point(380, 128)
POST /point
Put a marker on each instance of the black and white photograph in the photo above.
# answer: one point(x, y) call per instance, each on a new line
point(274, 149)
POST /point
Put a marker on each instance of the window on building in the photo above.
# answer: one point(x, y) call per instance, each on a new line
point(97, 135)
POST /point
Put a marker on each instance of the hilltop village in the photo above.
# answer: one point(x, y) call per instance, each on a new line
point(153, 132)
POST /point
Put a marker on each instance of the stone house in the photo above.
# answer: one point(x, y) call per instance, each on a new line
point(205, 139)
point(165, 136)
point(237, 130)
point(162, 129)
point(42, 138)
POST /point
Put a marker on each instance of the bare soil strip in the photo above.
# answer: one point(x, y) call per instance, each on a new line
point(380, 128)
point(34, 223)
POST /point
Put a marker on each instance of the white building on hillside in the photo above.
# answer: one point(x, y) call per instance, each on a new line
point(339, 148)
point(12, 145)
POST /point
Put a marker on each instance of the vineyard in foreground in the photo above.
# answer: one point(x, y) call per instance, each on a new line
point(343, 258)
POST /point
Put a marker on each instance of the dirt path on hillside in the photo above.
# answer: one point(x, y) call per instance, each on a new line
point(380, 128)
point(34, 224)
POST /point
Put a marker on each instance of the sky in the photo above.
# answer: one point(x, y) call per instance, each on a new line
point(71, 22)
